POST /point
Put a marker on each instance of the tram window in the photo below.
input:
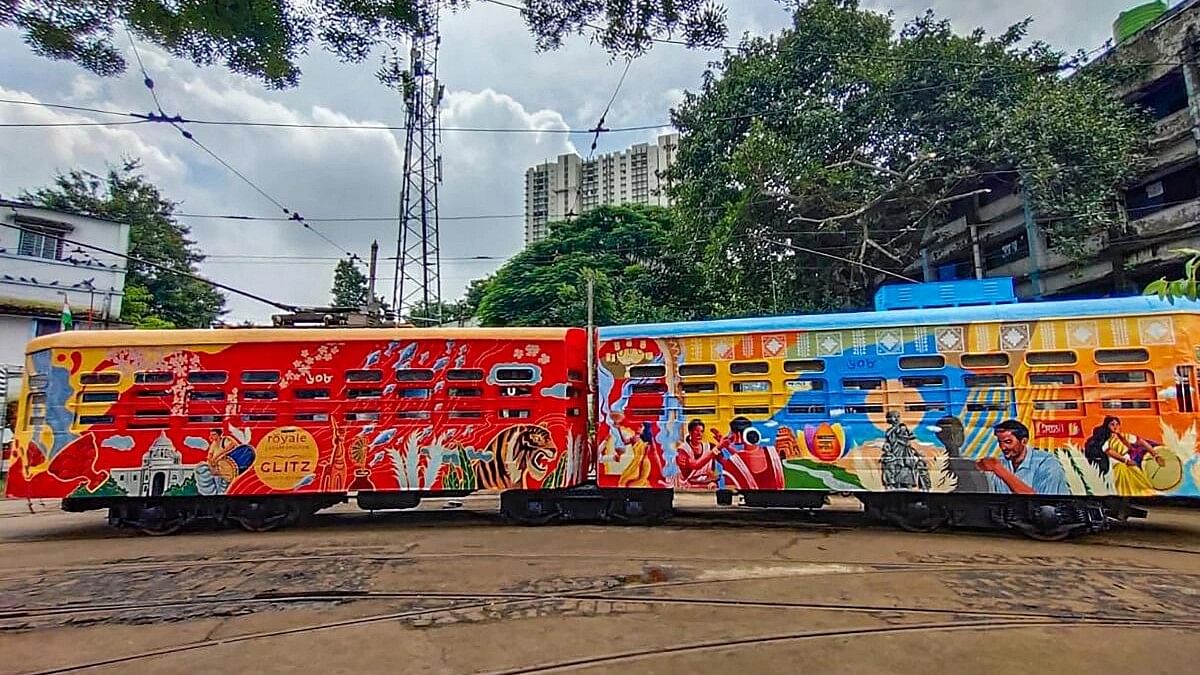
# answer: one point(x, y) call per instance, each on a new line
point(1122, 356)
point(653, 370)
point(95, 419)
point(312, 417)
point(414, 375)
point(699, 387)
point(1051, 358)
point(1183, 389)
point(574, 376)
point(98, 397)
point(749, 368)
point(366, 416)
point(514, 414)
point(154, 393)
point(465, 375)
point(364, 392)
point(805, 385)
point(752, 387)
point(574, 412)
point(260, 395)
point(258, 417)
point(925, 407)
point(806, 409)
point(155, 412)
point(988, 381)
point(207, 377)
point(804, 366)
point(413, 393)
point(100, 378)
point(862, 384)
point(465, 414)
point(206, 419)
point(752, 411)
point(1053, 379)
point(207, 395)
point(922, 362)
point(1126, 377)
point(412, 415)
point(694, 412)
point(38, 382)
point(697, 369)
point(516, 391)
point(864, 409)
point(466, 392)
point(260, 376)
point(364, 376)
point(987, 406)
point(923, 381)
point(647, 412)
point(153, 377)
point(37, 409)
point(311, 394)
point(1126, 404)
point(997, 360)
point(651, 388)
point(1055, 405)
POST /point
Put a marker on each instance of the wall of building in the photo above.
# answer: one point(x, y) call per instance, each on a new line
point(571, 185)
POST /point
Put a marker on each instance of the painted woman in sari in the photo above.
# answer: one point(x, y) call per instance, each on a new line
point(1124, 453)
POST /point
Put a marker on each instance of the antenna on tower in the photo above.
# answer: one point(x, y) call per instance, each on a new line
point(418, 259)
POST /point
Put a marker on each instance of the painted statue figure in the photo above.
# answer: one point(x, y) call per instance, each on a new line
point(903, 467)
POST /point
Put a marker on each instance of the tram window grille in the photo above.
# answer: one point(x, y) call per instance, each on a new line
point(466, 414)
point(806, 409)
point(260, 395)
point(100, 378)
point(414, 375)
point(699, 387)
point(207, 377)
point(1126, 377)
point(923, 381)
point(363, 416)
point(1053, 379)
point(922, 362)
point(927, 406)
point(312, 417)
point(413, 393)
point(98, 397)
point(862, 384)
point(1126, 404)
point(207, 395)
point(95, 419)
point(752, 411)
point(992, 360)
point(153, 377)
point(988, 406)
point(205, 419)
point(650, 371)
point(1055, 405)
point(575, 376)
point(413, 415)
point(988, 381)
point(1183, 389)
point(466, 392)
point(651, 388)
point(1051, 358)
point(804, 366)
point(258, 417)
point(752, 387)
point(749, 368)
point(1122, 355)
point(260, 376)
point(700, 411)
point(364, 392)
point(514, 414)
point(154, 393)
point(698, 369)
point(864, 409)
point(647, 412)
point(312, 394)
point(464, 375)
point(364, 376)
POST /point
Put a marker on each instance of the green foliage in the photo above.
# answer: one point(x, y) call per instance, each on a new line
point(848, 137)
point(265, 38)
point(639, 269)
point(349, 285)
point(107, 489)
point(1188, 287)
point(185, 489)
point(159, 298)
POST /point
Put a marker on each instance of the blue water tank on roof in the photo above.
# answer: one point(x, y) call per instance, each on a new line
point(994, 291)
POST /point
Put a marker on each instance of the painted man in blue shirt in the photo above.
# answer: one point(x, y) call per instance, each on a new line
point(1020, 469)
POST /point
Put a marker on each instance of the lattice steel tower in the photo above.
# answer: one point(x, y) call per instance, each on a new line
point(418, 260)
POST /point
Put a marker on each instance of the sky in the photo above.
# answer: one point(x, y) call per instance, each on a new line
point(493, 77)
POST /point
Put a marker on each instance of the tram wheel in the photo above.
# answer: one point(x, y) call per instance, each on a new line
point(919, 516)
point(265, 517)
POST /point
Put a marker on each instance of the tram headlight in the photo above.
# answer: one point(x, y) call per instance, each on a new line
point(752, 436)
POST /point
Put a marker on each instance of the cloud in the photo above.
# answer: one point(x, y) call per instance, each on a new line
point(196, 442)
point(122, 443)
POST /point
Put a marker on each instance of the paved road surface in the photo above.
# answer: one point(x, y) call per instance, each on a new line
point(718, 591)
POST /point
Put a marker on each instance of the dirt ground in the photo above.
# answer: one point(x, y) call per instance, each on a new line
point(718, 590)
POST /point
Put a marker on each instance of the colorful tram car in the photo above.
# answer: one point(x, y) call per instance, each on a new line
point(261, 426)
point(1095, 402)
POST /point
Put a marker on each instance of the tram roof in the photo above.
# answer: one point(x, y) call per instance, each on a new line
point(936, 316)
point(222, 336)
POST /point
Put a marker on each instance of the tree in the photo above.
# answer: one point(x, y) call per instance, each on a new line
point(349, 285)
point(157, 298)
point(843, 136)
point(1186, 287)
point(265, 38)
point(638, 268)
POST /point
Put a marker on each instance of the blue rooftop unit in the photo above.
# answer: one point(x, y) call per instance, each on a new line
point(995, 291)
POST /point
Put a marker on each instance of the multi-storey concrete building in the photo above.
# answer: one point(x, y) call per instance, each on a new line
point(996, 235)
point(571, 185)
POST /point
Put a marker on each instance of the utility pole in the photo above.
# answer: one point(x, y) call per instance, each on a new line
point(372, 304)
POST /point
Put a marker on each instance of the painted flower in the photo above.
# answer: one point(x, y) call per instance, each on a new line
point(544, 359)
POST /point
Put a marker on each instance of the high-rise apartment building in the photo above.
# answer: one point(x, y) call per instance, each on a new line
point(571, 185)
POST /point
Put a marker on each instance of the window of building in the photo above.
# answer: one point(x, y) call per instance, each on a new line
point(1006, 251)
point(1167, 95)
point(1170, 190)
point(40, 242)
